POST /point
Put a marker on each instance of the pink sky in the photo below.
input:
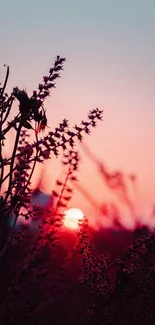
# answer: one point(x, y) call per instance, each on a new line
point(110, 49)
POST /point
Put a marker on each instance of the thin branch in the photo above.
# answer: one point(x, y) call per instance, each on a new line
point(11, 124)
point(62, 190)
point(6, 80)
point(1, 94)
point(4, 249)
point(8, 111)
point(12, 161)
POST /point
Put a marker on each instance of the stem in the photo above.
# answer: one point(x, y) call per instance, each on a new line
point(4, 249)
point(2, 165)
point(6, 80)
point(11, 124)
point(12, 160)
point(4, 179)
point(15, 168)
point(8, 111)
point(1, 157)
point(62, 191)
point(34, 164)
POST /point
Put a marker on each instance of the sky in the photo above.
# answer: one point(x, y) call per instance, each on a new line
point(110, 51)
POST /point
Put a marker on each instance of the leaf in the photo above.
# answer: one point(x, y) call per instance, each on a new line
point(63, 146)
point(80, 137)
point(66, 198)
point(50, 85)
point(55, 76)
point(38, 116)
point(79, 129)
point(27, 125)
point(61, 204)
point(56, 152)
point(71, 142)
point(65, 162)
point(71, 133)
point(69, 190)
point(58, 68)
point(73, 178)
point(59, 183)
point(55, 194)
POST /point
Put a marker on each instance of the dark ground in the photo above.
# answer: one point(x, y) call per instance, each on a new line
point(43, 288)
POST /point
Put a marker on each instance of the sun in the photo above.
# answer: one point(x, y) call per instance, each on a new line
point(72, 217)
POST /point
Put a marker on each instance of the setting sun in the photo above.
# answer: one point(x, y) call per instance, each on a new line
point(72, 217)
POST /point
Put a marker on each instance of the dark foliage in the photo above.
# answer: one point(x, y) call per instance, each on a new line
point(53, 275)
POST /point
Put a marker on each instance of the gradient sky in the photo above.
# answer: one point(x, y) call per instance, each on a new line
point(110, 51)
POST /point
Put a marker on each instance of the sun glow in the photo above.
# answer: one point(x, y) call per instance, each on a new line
point(72, 217)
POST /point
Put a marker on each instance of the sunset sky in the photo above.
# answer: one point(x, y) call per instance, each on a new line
point(110, 51)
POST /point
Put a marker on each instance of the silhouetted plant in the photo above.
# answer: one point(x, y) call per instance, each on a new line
point(53, 217)
point(118, 291)
point(117, 182)
point(70, 159)
point(15, 184)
